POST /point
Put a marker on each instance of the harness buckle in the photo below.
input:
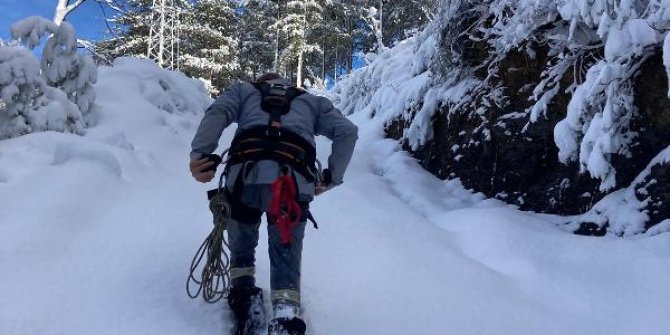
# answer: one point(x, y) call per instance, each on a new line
point(273, 131)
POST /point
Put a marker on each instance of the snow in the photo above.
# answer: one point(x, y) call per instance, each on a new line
point(97, 233)
point(169, 91)
point(632, 38)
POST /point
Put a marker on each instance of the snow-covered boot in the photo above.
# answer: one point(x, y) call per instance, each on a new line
point(287, 326)
point(246, 302)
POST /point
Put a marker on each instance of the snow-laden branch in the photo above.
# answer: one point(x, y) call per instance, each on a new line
point(597, 126)
point(30, 31)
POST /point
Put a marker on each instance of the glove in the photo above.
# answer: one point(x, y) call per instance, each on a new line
point(325, 184)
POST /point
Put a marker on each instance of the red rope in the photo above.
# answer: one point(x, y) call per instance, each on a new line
point(284, 210)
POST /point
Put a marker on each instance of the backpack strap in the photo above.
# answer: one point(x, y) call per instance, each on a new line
point(276, 100)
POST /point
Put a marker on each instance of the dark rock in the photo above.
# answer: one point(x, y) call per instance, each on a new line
point(503, 156)
point(591, 229)
point(654, 192)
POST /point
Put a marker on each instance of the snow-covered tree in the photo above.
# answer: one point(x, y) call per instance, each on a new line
point(258, 44)
point(297, 23)
point(374, 19)
point(210, 42)
point(130, 29)
point(27, 104)
point(400, 19)
point(61, 66)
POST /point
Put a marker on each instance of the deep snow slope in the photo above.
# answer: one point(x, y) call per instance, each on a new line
point(97, 232)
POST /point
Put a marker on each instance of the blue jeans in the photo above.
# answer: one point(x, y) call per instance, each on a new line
point(285, 259)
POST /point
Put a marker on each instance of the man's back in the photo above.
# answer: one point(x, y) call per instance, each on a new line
point(309, 115)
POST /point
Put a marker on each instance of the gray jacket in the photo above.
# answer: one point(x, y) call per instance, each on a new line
point(310, 115)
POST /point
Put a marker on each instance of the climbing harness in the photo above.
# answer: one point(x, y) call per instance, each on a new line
point(272, 142)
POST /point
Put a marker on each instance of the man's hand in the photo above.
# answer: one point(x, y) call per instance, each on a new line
point(325, 183)
point(198, 166)
point(321, 189)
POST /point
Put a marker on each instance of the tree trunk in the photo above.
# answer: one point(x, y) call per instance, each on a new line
point(337, 60)
point(301, 60)
point(380, 33)
point(301, 52)
point(275, 65)
point(63, 10)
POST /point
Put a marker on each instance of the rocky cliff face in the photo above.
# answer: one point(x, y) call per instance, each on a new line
point(553, 108)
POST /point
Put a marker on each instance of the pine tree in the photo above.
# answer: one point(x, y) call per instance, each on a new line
point(297, 26)
point(402, 18)
point(130, 29)
point(347, 33)
point(210, 42)
point(223, 40)
point(258, 44)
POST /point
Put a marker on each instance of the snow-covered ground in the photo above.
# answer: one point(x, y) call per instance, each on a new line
point(97, 233)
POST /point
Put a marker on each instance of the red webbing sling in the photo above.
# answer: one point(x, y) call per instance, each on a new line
point(284, 210)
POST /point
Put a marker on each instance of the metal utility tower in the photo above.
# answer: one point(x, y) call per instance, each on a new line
point(164, 34)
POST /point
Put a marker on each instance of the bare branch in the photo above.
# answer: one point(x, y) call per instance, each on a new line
point(74, 6)
point(92, 49)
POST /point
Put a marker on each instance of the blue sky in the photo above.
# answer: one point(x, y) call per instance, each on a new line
point(88, 19)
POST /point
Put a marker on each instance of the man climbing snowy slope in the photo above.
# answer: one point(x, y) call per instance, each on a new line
point(271, 168)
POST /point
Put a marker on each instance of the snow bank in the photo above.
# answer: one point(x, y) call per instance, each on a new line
point(170, 91)
point(140, 99)
point(516, 270)
point(76, 211)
